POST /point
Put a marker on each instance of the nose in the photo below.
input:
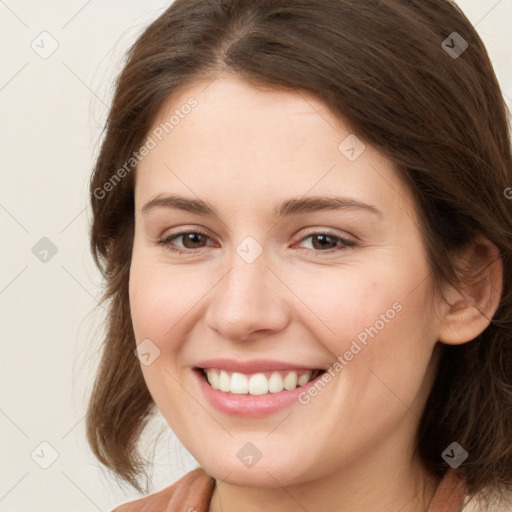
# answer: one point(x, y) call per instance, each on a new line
point(248, 301)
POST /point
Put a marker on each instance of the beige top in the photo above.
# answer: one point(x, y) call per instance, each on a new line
point(193, 493)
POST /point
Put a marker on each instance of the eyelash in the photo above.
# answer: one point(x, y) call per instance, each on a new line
point(166, 242)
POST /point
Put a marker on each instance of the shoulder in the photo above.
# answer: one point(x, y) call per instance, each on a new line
point(478, 503)
point(452, 495)
point(192, 491)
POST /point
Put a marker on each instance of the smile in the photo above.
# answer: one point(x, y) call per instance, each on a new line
point(261, 383)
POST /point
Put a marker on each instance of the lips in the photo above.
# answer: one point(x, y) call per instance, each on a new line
point(255, 378)
point(242, 403)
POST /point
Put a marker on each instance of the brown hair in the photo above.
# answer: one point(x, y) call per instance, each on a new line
point(382, 67)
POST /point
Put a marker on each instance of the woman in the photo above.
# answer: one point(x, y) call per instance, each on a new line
point(301, 212)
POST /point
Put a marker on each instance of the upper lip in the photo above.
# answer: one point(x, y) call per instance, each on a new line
point(256, 365)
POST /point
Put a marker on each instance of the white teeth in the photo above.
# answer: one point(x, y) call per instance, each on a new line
point(290, 381)
point(304, 378)
point(239, 384)
point(224, 381)
point(275, 383)
point(258, 383)
point(213, 378)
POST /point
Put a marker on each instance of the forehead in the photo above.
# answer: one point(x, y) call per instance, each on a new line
point(239, 141)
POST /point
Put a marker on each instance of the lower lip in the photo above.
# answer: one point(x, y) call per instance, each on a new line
point(253, 406)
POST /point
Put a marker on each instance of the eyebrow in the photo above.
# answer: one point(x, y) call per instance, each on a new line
point(289, 207)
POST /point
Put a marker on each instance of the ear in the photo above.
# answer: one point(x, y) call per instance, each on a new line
point(471, 307)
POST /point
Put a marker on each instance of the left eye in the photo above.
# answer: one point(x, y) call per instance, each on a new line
point(327, 241)
point(321, 242)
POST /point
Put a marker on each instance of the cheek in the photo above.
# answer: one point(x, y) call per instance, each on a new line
point(159, 298)
point(388, 352)
point(377, 315)
point(343, 303)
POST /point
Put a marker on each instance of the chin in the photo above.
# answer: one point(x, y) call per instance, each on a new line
point(265, 474)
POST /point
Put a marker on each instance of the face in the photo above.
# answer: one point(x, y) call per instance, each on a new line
point(287, 248)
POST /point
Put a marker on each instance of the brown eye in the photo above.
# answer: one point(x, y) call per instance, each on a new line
point(190, 240)
point(323, 242)
point(327, 242)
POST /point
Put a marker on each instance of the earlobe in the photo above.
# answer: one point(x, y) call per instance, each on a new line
point(473, 305)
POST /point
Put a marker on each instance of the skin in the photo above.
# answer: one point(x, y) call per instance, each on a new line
point(245, 150)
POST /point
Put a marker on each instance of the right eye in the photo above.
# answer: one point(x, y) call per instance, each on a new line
point(191, 238)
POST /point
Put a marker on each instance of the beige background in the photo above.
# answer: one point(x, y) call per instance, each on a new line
point(52, 111)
